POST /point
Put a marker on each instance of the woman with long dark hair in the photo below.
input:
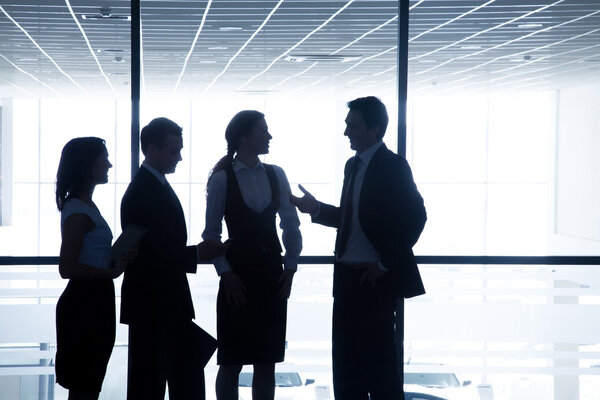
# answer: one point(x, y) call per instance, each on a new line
point(85, 312)
point(255, 279)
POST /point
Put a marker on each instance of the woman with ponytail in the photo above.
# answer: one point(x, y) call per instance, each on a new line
point(255, 279)
point(85, 312)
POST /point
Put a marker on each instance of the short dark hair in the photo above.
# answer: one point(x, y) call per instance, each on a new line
point(75, 167)
point(156, 132)
point(373, 112)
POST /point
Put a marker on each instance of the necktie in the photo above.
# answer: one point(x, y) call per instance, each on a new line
point(347, 208)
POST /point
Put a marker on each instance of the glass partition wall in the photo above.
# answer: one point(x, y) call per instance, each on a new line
point(503, 100)
point(501, 135)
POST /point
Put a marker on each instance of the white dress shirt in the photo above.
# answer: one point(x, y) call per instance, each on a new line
point(256, 192)
point(358, 248)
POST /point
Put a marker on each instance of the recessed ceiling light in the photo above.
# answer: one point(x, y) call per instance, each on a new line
point(527, 26)
point(230, 28)
point(255, 92)
point(470, 47)
point(110, 50)
point(322, 57)
point(207, 62)
point(105, 13)
point(218, 48)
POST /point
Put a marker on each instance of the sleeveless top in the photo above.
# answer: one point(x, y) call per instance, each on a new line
point(96, 247)
point(251, 232)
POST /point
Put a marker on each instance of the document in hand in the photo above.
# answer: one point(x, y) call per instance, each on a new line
point(129, 238)
point(203, 345)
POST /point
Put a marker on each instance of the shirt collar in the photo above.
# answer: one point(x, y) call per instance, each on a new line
point(368, 154)
point(154, 172)
point(238, 166)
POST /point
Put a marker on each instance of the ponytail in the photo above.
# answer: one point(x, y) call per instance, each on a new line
point(223, 163)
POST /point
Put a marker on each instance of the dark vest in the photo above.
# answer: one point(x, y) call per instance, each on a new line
point(251, 233)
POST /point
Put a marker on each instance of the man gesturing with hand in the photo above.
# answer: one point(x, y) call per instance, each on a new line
point(380, 218)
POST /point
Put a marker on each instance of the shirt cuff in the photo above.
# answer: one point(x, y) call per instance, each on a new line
point(221, 265)
point(381, 267)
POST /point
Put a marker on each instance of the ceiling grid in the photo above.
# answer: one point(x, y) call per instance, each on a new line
point(294, 47)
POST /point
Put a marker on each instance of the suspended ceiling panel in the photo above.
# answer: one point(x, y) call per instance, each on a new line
point(293, 47)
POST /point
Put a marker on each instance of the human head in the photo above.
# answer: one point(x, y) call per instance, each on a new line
point(77, 169)
point(373, 112)
point(241, 125)
point(366, 122)
point(161, 142)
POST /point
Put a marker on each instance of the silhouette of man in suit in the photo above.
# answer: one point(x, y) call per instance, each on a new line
point(380, 218)
point(155, 296)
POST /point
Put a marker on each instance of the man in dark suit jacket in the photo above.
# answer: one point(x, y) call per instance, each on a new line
point(155, 296)
point(380, 218)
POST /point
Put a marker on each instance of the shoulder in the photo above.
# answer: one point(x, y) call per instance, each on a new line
point(277, 169)
point(76, 218)
point(74, 206)
point(388, 158)
point(218, 178)
point(141, 183)
point(279, 172)
point(217, 181)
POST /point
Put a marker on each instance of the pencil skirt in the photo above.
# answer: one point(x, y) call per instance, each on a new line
point(253, 333)
point(85, 334)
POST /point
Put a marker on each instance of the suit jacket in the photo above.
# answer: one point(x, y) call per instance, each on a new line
point(155, 285)
point(392, 216)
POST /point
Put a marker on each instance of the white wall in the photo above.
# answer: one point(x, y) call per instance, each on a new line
point(6, 161)
point(577, 180)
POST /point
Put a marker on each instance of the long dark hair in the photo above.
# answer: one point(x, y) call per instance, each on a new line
point(75, 167)
point(240, 125)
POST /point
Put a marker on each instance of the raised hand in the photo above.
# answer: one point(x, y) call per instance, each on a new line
point(307, 203)
point(122, 263)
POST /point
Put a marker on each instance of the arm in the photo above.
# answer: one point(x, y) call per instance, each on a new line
point(410, 208)
point(74, 229)
point(400, 215)
point(328, 215)
point(290, 224)
point(161, 249)
point(215, 209)
point(291, 236)
point(320, 213)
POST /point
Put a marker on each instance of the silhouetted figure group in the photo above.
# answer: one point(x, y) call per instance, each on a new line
point(379, 219)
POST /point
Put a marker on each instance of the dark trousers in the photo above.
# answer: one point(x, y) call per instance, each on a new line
point(161, 353)
point(364, 349)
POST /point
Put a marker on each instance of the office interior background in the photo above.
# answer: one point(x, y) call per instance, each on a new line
point(503, 132)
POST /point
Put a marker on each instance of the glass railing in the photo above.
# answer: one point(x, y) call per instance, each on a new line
point(488, 328)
